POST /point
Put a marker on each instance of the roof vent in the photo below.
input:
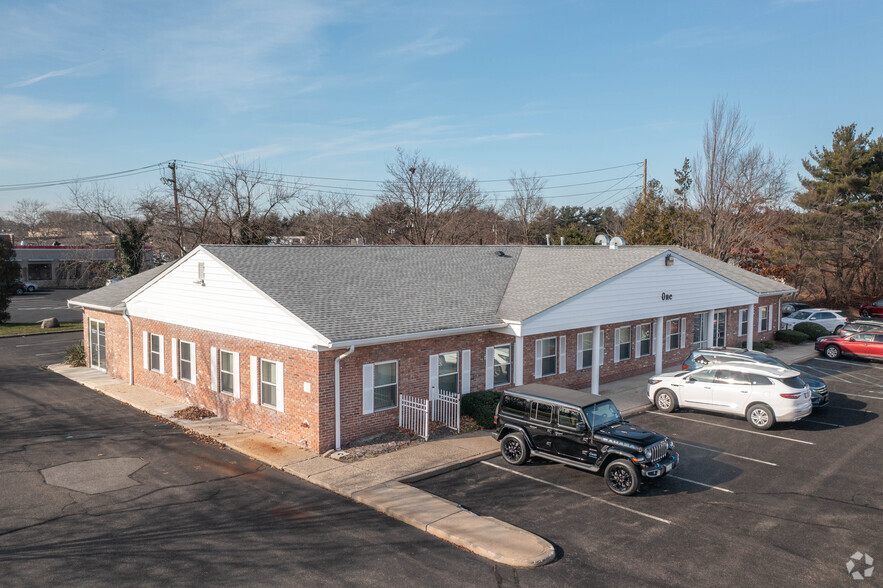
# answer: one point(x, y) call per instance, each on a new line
point(617, 242)
point(602, 240)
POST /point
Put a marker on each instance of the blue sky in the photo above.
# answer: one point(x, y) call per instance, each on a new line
point(331, 88)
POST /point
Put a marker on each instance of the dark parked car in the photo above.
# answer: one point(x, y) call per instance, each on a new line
point(861, 325)
point(792, 307)
point(580, 430)
point(702, 357)
point(18, 287)
point(872, 309)
point(866, 345)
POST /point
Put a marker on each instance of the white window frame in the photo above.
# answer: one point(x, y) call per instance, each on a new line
point(618, 343)
point(682, 327)
point(235, 373)
point(492, 364)
point(455, 372)
point(395, 397)
point(159, 353)
point(101, 335)
point(584, 345)
point(743, 322)
point(192, 361)
point(639, 340)
point(540, 357)
point(703, 340)
point(763, 323)
point(279, 387)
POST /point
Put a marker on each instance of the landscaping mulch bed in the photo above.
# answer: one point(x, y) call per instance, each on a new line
point(390, 441)
point(193, 413)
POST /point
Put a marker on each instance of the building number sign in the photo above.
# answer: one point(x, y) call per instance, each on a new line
point(667, 296)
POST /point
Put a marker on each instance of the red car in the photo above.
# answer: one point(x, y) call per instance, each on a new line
point(872, 309)
point(867, 345)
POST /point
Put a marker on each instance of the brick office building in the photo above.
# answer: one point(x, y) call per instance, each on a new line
point(314, 344)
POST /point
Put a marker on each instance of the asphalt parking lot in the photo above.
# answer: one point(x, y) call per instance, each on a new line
point(33, 307)
point(787, 507)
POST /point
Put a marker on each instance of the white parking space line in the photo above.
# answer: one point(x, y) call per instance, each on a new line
point(859, 395)
point(701, 484)
point(769, 463)
point(43, 354)
point(674, 416)
point(566, 489)
point(823, 423)
point(47, 343)
point(841, 364)
point(827, 373)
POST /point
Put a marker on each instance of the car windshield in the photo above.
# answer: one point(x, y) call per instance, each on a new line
point(800, 314)
point(602, 414)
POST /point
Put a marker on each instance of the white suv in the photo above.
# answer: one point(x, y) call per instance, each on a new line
point(761, 393)
point(830, 319)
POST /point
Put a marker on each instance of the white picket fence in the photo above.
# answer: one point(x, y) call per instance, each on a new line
point(445, 408)
point(414, 415)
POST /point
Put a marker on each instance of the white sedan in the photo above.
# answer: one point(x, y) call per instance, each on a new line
point(830, 319)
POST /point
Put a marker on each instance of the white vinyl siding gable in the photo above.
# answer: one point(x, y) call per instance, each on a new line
point(690, 288)
point(226, 304)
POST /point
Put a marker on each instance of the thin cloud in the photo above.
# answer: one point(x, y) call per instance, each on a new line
point(15, 109)
point(429, 45)
point(52, 74)
point(503, 137)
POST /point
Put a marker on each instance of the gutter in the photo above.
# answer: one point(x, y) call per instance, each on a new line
point(415, 336)
point(131, 351)
point(337, 396)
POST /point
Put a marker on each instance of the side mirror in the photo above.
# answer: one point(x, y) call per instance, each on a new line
point(581, 428)
point(690, 379)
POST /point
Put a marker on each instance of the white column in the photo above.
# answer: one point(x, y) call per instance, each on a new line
point(710, 334)
point(518, 361)
point(596, 359)
point(660, 348)
point(749, 343)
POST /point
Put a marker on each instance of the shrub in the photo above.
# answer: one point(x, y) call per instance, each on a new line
point(789, 336)
point(481, 406)
point(812, 330)
point(75, 355)
point(763, 345)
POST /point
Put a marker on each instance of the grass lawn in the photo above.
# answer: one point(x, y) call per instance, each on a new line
point(10, 329)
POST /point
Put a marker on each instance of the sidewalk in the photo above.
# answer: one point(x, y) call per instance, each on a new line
point(382, 482)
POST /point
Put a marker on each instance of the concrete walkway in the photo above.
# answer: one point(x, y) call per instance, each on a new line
point(382, 482)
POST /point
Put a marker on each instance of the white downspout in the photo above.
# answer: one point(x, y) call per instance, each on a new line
point(337, 396)
point(131, 351)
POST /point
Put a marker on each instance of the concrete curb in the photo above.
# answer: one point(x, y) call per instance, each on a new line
point(80, 330)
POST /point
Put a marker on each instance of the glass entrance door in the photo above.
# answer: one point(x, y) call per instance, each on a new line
point(97, 350)
point(720, 328)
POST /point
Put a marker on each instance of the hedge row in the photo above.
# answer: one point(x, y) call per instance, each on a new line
point(789, 336)
point(481, 406)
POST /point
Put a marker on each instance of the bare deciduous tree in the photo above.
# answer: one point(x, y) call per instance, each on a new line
point(328, 218)
point(526, 203)
point(433, 196)
point(30, 215)
point(734, 182)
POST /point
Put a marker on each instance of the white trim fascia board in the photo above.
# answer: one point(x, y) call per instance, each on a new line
point(511, 328)
point(410, 336)
point(81, 306)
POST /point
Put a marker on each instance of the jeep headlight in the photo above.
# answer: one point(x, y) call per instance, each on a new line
point(669, 444)
point(647, 452)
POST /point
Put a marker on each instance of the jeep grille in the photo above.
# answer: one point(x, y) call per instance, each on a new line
point(658, 451)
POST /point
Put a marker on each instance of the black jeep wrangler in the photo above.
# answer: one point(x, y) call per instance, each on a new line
point(580, 430)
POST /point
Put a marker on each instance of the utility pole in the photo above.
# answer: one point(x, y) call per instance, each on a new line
point(644, 191)
point(179, 232)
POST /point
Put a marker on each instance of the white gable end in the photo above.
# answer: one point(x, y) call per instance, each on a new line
point(649, 290)
point(226, 304)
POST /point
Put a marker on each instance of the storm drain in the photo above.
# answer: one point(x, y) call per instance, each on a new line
point(95, 476)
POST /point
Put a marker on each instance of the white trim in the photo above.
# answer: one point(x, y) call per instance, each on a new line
point(280, 386)
point(236, 384)
point(617, 342)
point(145, 347)
point(367, 388)
point(235, 361)
point(214, 369)
point(192, 346)
point(465, 371)
point(489, 367)
point(277, 366)
point(374, 386)
point(253, 376)
point(639, 340)
point(414, 336)
point(538, 368)
point(743, 312)
point(433, 373)
point(174, 358)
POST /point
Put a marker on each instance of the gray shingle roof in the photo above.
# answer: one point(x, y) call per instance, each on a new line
point(112, 296)
point(359, 292)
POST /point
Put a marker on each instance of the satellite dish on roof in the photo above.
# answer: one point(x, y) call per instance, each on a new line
point(602, 240)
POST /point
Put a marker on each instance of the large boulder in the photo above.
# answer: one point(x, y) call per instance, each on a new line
point(49, 323)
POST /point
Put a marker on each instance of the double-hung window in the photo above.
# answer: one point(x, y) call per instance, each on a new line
point(386, 384)
point(674, 334)
point(584, 354)
point(645, 342)
point(548, 356)
point(156, 353)
point(764, 323)
point(229, 365)
point(743, 322)
point(502, 364)
point(448, 372)
point(269, 384)
point(623, 349)
point(186, 360)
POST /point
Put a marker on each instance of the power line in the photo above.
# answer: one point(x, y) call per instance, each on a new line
point(99, 177)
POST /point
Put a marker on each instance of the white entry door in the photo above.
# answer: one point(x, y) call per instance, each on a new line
point(720, 329)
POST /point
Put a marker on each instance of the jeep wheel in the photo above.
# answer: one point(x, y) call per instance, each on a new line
point(832, 352)
point(622, 477)
point(514, 449)
point(761, 417)
point(666, 401)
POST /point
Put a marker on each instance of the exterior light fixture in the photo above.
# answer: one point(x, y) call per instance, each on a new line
point(669, 259)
